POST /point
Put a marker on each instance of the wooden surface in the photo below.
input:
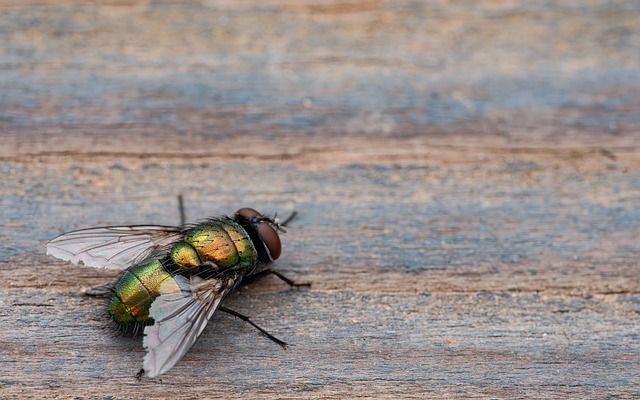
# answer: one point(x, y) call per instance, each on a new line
point(467, 177)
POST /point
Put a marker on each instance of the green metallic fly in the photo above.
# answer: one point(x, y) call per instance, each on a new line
point(176, 277)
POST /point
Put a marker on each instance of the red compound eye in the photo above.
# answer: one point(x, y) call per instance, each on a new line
point(266, 232)
point(248, 213)
point(271, 239)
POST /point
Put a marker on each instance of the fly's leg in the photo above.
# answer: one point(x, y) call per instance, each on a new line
point(280, 225)
point(246, 319)
point(287, 280)
point(269, 271)
point(288, 219)
point(105, 290)
point(183, 217)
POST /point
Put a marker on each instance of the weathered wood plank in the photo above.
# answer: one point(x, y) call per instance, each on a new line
point(218, 68)
point(467, 197)
point(428, 280)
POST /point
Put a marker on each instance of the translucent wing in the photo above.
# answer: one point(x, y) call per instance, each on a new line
point(180, 316)
point(113, 247)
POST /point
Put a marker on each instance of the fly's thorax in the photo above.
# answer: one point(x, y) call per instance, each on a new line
point(224, 243)
point(136, 290)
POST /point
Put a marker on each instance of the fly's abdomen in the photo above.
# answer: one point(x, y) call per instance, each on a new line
point(135, 292)
point(224, 243)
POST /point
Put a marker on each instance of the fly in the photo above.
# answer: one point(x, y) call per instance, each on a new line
point(175, 278)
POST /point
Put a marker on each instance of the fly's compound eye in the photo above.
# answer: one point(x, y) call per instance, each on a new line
point(248, 213)
point(265, 230)
point(271, 239)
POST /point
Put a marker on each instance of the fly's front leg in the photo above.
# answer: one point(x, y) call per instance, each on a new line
point(288, 219)
point(287, 280)
point(269, 271)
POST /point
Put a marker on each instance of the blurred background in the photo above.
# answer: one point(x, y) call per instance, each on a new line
point(518, 70)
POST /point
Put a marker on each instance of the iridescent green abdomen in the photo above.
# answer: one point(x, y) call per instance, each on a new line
point(135, 292)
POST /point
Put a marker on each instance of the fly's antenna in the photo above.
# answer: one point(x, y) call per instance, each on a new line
point(183, 217)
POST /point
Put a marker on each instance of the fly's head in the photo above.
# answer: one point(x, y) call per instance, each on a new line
point(266, 228)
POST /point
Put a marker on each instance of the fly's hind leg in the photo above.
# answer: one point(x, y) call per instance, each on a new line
point(246, 319)
point(105, 290)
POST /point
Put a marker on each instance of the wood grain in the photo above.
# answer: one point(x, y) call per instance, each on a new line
point(467, 197)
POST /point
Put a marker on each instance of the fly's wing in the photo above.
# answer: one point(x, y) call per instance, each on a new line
point(180, 316)
point(113, 247)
